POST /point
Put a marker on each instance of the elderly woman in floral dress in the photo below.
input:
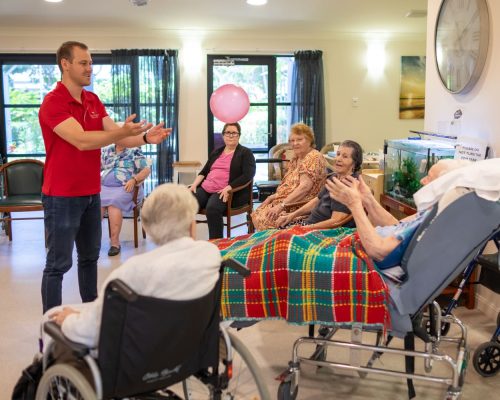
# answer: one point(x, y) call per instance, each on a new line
point(305, 177)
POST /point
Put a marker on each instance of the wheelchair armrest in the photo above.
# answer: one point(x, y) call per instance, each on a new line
point(118, 286)
point(236, 266)
point(55, 332)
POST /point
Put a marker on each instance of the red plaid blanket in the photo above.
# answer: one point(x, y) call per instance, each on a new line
point(304, 276)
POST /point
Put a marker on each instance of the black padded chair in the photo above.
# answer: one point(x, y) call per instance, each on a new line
point(22, 183)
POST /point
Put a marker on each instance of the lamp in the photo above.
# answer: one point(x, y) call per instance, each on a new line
point(256, 2)
point(139, 3)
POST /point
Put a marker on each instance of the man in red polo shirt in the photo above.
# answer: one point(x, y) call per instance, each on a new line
point(75, 125)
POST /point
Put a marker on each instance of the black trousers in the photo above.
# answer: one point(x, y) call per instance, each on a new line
point(215, 209)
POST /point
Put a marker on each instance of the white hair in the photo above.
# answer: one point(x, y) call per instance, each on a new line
point(168, 212)
point(447, 164)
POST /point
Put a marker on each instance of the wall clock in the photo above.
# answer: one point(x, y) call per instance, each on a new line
point(461, 43)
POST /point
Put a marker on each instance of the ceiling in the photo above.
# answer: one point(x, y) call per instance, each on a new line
point(301, 17)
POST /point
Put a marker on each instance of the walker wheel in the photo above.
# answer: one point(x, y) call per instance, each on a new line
point(487, 359)
point(284, 391)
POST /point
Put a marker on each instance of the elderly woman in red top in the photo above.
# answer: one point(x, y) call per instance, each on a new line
point(227, 167)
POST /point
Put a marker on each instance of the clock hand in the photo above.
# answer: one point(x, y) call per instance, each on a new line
point(466, 27)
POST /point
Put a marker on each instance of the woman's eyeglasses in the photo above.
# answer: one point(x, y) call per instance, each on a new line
point(230, 134)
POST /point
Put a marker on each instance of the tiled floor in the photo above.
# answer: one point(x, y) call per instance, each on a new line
point(21, 263)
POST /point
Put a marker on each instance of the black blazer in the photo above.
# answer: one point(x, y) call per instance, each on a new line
point(241, 170)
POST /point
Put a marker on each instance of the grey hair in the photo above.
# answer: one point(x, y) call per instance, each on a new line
point(448, 164)
point(168, 212)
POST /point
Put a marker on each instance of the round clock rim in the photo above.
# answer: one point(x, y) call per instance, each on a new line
point(483, 47)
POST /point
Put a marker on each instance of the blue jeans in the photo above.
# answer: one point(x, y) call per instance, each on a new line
point(71, 220)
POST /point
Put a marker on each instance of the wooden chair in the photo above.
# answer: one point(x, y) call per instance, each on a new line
point(136, 216)
point(329, 147)
point(233, 211)
point(22, 183)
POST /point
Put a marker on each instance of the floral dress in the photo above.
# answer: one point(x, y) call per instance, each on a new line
point(116, 170)
point(314, 166)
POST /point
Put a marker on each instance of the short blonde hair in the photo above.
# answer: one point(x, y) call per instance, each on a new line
point(168, 212)
point(301, 129)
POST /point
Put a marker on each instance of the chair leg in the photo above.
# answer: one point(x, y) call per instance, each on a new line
point(251, 228)
point(228, 226)
point(9, 226)
point(136, 238)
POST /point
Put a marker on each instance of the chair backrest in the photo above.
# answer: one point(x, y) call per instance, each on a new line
point(23, 177)
point(329, 147)
point(275, 169)
point(442, 248)
point(147, 343)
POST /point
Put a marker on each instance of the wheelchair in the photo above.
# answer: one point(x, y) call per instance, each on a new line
point(440, 250)
point(146, 345)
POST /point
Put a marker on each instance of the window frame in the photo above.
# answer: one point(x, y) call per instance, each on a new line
point(30, 59)
point(271, 61)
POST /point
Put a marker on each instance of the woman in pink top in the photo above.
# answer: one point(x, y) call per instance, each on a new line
point(227, 167)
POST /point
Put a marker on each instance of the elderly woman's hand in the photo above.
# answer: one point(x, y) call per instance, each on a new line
point(224, 193)
point(130, 185)
point(345, 191)
point(274, 211)
point(59, 316)
point(284, 220)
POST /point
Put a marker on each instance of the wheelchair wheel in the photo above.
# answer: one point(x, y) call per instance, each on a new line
point(247, 381)
point(487, 359)
point(445, 327)
point(62, 381)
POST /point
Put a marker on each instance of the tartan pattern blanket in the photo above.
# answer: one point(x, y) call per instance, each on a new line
point(304, 276)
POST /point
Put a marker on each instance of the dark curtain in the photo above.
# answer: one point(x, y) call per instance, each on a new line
point(307, 94)
point(146, 82)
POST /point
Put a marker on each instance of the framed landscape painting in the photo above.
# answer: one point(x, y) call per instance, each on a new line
point(412, 92)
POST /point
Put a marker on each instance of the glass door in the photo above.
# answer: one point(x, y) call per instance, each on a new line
point(269, 101)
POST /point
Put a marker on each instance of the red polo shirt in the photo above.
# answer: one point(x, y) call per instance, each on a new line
point(69, 171)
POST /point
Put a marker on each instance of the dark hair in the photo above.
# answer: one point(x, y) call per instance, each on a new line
point(237, 125)
point(357, 153)
point(66, 51)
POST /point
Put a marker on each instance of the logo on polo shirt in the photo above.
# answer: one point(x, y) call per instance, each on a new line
point(93, 114)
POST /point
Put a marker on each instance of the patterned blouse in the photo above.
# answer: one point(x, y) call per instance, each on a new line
point(124, 165)
point(314, 166)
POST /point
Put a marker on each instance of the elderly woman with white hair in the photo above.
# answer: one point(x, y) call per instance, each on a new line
point(180, 268)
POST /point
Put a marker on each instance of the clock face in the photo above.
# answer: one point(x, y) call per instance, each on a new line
point(462, 31)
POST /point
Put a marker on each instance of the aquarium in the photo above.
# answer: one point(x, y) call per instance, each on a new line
point(406, 161)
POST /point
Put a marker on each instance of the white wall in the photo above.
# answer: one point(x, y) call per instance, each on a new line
point(375, 119)
point(481, 117)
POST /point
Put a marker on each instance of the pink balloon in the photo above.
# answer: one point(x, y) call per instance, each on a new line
point(229, 103)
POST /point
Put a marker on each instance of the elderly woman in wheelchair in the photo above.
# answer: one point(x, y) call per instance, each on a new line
point(380, 277)
point(155, 323)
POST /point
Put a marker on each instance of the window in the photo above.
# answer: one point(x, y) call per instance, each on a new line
point(26, 79)
point(266, 80)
